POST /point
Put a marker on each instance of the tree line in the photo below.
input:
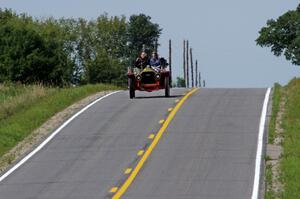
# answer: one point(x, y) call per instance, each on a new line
point(66, 51)
point(283, 36)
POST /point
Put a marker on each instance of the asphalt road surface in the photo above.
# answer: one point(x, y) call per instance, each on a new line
point(207, 151)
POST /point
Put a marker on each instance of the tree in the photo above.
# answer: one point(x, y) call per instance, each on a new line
point(33, 51)
point(141, 31)
point(283, 36)
point(180, 82)
point(57, 52)
point(102, 49)
point(69, 31)
point(111, 33)
point(71, 51)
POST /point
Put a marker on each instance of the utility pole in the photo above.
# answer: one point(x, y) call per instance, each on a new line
point(187, 64)
point(192, 67)
point(204, 83)
point(199, 79)
point(170, 61)
point(196, 73)
point(184, 66)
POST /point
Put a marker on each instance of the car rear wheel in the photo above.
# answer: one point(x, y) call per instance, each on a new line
point(167, 87)
point(131, 88)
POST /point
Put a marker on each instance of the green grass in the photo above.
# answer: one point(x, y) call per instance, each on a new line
point(25, 108)
point(15, 97)
point(277, 92)
point(290, 161)
point(269, 177)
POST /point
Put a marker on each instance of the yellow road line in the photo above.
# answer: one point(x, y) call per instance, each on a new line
point(113, 190)
point(151, 136)
point(140, 152)
point(140, 164)
point(128, 171)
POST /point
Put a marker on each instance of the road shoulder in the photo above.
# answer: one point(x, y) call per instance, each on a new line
point(40, 134)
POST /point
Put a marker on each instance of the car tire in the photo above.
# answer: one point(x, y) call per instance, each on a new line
point(167, 87)
point(131, 88)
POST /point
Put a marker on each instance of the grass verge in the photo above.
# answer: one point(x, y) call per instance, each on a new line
point(269, 178)
point(275, 109)
point(290, 160)
point(25, 108)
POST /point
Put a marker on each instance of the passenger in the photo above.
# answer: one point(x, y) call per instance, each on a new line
point(154, 61)
point(142, 61)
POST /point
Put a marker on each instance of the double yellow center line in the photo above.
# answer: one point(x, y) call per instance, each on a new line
point(149, 150)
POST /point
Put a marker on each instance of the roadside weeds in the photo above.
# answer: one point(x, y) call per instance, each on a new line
point(283, 151)
point(274, 187)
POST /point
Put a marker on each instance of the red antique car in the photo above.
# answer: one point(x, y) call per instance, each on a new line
point(148, 79)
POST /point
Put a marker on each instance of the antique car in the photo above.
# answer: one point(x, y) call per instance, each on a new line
point(149, 79)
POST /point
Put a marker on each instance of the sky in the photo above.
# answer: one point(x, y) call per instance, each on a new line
point(221, 33)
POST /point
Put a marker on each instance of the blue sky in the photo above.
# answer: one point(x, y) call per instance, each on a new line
point(221, 33)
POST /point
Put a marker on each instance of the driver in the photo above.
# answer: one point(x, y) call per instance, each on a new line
point(142, 61)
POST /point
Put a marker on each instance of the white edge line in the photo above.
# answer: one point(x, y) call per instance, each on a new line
point(260, 146)
point(48, 139)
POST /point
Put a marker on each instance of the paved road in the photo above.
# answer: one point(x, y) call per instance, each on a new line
point(208, 150)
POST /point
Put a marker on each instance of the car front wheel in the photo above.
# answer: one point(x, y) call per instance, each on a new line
point(131, 88)
point(167, 87)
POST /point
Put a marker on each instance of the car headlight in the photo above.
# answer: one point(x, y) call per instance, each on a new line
point(157, 76)
point(138, 77)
